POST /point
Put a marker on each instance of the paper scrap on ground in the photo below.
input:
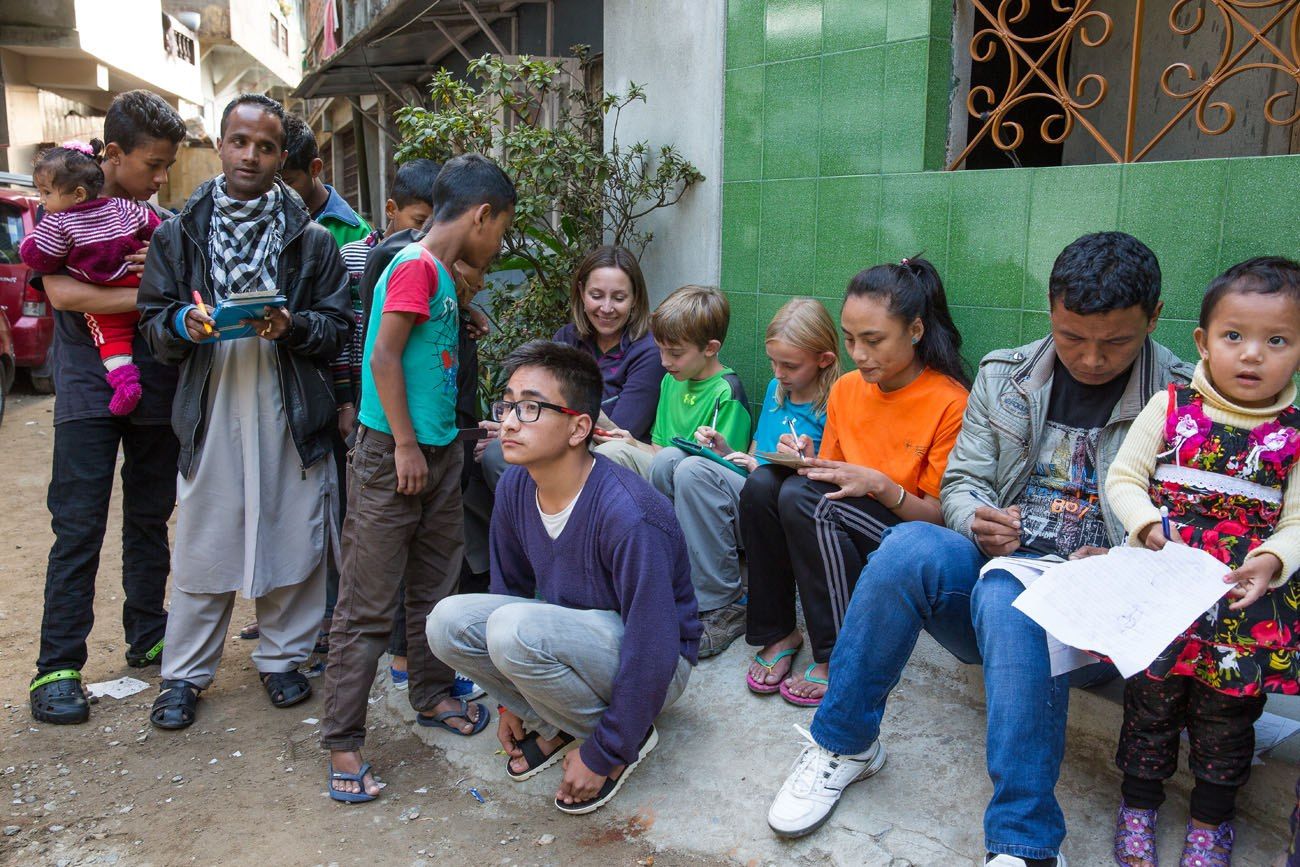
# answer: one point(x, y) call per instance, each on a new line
point(1270, 731)
point(1026, 570)
point(120, 688)
point(1129, 603)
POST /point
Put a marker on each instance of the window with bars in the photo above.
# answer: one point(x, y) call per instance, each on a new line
point(1072, 82)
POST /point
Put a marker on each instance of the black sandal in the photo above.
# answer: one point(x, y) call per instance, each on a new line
point(176, 705)
point(536, 759)
point(57, 697)
point(286, 688)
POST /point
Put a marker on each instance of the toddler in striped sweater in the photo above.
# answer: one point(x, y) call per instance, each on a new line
point(89, 237)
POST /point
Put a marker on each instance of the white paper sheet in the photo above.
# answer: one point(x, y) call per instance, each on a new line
point(1026, 570)
point(120, 688)
point(1270, 731)
point(1129, 603)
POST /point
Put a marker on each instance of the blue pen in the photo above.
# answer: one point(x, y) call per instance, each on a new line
point(984, 501)
point(1164, 522)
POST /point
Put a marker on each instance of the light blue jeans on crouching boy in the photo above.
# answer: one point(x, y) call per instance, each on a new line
point(927, 577)
point(551, 666)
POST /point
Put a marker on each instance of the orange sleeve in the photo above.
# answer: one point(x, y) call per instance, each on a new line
point(945, 437)
point(831, 449)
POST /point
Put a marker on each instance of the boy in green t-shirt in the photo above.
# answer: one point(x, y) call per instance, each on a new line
point(404, 510)
point(689, 328)
point(698, 397)
point(301, 171)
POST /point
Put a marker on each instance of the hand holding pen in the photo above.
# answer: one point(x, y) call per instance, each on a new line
point(996, 530)
point(1154, 537)
point(713, 425)
point(795, 443)
point(710, 438)
point(198, 322)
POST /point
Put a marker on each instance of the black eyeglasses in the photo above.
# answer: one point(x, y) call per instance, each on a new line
point(527, 410)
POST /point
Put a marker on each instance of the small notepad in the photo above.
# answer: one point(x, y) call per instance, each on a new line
point(228, 315)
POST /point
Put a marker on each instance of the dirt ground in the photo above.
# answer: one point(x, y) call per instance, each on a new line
point(245, 784)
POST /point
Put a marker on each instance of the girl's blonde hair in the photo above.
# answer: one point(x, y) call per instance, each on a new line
point(804, 324)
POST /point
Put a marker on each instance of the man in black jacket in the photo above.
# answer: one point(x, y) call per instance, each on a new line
point(257, 495)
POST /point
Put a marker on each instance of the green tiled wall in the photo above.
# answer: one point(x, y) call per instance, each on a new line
point(835, 129)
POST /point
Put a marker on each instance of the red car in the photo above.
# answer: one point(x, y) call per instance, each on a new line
point(6, 361)
point(30, 321)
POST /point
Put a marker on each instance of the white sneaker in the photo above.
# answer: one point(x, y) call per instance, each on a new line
point(1013, 861)
point(809, 795)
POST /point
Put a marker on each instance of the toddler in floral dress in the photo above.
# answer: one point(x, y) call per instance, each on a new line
point(1218, 454)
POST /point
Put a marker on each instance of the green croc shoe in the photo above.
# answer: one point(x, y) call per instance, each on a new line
point(57, 697)
point(152, 656)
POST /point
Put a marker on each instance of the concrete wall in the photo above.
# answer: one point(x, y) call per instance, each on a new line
point(679, 58)
point(134, 44)
point(250, 29)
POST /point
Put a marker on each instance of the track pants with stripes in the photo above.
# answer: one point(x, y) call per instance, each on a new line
point(795, 538)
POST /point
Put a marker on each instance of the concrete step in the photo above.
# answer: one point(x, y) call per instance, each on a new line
point(724, 752)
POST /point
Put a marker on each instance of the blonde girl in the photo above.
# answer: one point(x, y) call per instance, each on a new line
point(802, 345)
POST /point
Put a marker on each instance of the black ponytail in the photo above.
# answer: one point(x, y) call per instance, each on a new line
point(69, 166)
point(913, 290)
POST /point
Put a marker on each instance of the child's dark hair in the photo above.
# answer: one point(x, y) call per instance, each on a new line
point(913, 290)
point(299, 144)
point(414, 182)
point(262, 101)
point(138, 115)
point(580, 381)
point(1106, 271)
point(67, 167)
point(1263, 275)
point(468, 181)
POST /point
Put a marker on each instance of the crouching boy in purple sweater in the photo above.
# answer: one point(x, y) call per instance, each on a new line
point(591, 629)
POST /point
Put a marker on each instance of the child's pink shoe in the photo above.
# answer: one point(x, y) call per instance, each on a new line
point(1199, 850)
point(1135, 837)
point(125, 381)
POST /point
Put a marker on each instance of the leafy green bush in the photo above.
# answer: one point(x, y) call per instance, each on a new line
point(540, 123)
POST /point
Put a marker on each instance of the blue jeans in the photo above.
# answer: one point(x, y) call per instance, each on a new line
point(926, 577)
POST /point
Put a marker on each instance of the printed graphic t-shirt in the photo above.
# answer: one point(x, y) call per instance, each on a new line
point(416, 282)
point(1059, 510)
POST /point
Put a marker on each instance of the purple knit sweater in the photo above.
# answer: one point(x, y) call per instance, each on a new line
point(623, 551)
point(91, 240)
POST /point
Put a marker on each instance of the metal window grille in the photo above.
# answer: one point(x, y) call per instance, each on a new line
point(1052, 85)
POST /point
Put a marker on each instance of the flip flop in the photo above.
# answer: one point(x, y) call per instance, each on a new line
point(761, 688)
point(799, 700)
point(350, 797)
point(537, 761)
point(440, 721)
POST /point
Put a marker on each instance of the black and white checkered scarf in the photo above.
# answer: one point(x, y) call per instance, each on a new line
point(244, 241)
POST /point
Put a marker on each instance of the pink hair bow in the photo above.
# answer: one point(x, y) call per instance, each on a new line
point(74, 145)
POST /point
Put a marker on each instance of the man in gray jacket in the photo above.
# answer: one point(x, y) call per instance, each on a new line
point(1043, 423)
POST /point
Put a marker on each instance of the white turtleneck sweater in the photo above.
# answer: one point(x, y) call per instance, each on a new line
point(1129, 476)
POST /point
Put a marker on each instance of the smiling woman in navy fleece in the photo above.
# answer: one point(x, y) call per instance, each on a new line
point(611, 323)
point(591, 629)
